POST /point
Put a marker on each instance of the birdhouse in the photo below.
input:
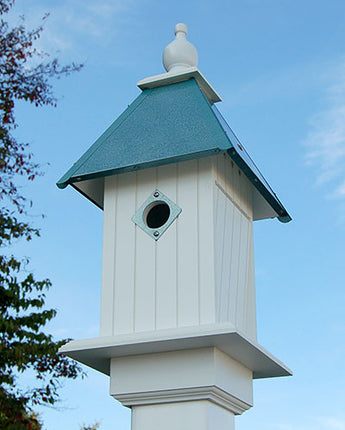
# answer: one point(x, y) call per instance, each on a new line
point(179, 194)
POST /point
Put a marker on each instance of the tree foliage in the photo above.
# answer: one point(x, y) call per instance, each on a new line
point(94, 426)
point(25, 75)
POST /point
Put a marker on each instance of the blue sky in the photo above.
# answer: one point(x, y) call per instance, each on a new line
point(279, 66)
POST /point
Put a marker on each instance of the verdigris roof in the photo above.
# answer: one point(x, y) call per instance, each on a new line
point(166, 124)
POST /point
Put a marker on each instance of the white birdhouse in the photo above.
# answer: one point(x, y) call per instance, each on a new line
point(179, 195)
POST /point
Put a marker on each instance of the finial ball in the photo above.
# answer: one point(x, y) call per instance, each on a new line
point(180, 27)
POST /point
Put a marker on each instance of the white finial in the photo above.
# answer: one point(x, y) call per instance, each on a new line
point(180, 59)
point(180, 54)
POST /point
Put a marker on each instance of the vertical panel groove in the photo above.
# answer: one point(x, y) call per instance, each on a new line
point(244, 304)
point(238, 286)
point(155, 295)
point(198, 235)
point(187, 246)
point(246, 296)
point(206, 278)
point(230, 260)
point(217, 268)
point(177, 247)
point(114, 264)
point(155, 267)
point(222, 283)
point(135, 254)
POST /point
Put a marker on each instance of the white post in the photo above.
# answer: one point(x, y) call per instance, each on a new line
point(192, 415)
point(199, 389)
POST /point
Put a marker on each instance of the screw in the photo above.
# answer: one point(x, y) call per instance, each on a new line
point(156, 194)
point(156, 233)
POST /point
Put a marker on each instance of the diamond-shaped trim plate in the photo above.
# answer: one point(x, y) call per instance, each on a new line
point(138, 217)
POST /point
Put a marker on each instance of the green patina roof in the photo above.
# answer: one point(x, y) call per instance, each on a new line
point(168, 123)
point(165, 125)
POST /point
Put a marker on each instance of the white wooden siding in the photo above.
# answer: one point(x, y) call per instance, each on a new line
point(124, 274)
point(168, 283)
point(234, 184)
point(207, 298)
point(200, 271)
point(249, 316)
point(187, 245)
point(234, 261)
point(107, 295)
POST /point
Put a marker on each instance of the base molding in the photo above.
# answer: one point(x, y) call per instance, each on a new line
point(188, 415)
point(211, 393)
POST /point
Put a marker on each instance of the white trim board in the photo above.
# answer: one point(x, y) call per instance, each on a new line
point(97, 352)
point(174, 77)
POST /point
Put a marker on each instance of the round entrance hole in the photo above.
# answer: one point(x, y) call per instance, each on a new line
point(157, 215)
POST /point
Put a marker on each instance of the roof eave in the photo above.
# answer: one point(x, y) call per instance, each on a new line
point(70, 180)
point(272, 200)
